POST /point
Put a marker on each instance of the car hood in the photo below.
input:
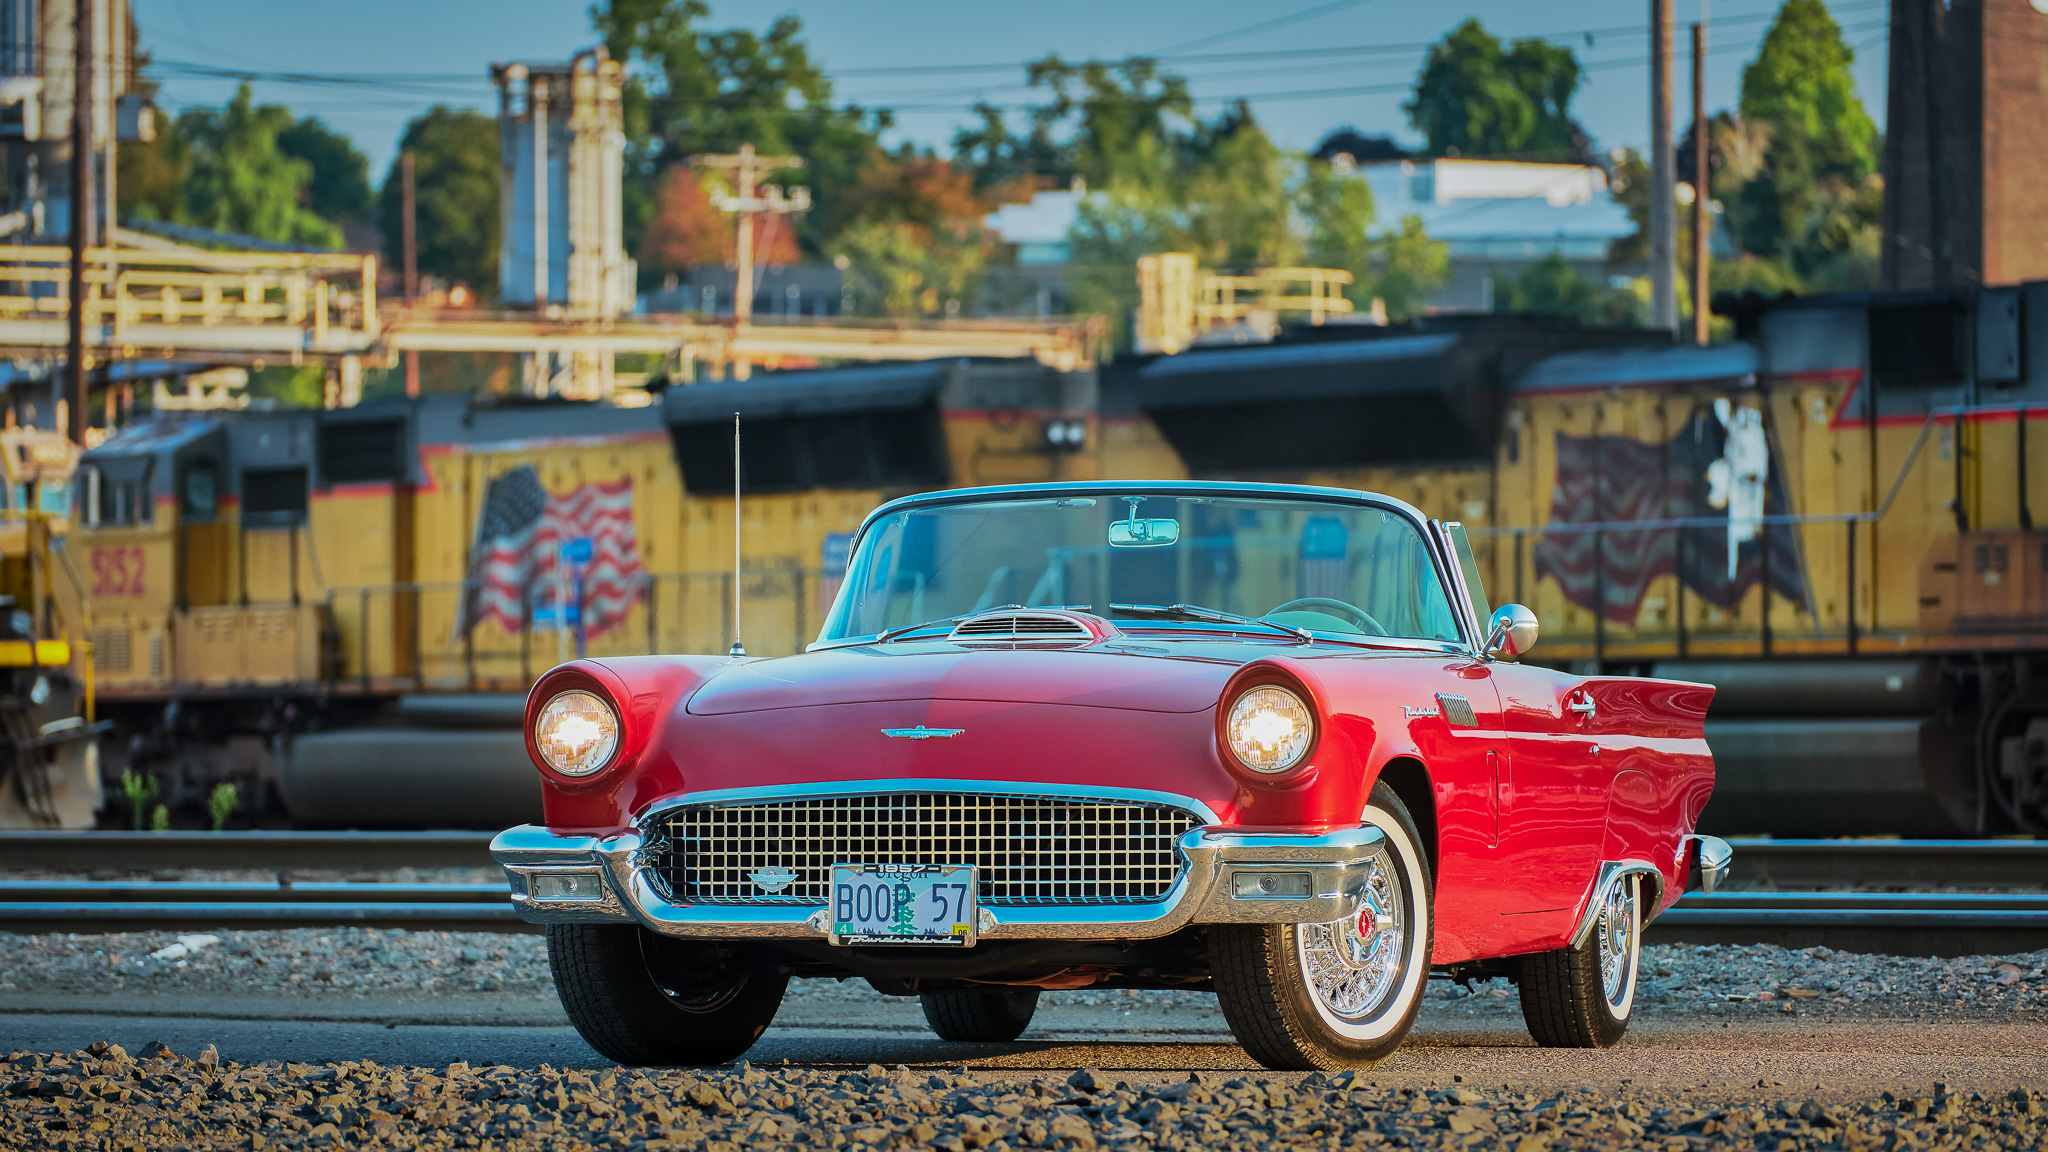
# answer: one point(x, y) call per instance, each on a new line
point(1144, 678)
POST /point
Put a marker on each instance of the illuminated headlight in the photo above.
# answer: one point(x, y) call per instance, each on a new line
point(1270, 729)
point(577, 733)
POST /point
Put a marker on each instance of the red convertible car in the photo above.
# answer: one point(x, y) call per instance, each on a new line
point(1267, 740)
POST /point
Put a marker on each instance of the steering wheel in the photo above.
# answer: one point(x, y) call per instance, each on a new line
point(1329, 607)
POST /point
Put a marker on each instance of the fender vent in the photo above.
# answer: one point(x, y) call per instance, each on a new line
point(1014, 626)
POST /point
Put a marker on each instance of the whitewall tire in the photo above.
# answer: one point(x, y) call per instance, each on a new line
point(1343, 994)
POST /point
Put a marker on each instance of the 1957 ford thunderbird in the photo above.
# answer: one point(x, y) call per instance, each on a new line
point(1266, 740)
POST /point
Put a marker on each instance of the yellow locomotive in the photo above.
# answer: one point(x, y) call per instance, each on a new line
point(1830, 517)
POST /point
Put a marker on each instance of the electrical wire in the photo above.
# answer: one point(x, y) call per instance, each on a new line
point(1278, 22)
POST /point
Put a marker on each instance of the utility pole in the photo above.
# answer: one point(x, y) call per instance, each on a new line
point(1702, 219)
point(81, 211)
point(1663, 176)
point(748, 168)
point(412, 264)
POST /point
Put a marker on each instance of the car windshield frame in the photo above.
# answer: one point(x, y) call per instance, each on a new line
point(1449, 579)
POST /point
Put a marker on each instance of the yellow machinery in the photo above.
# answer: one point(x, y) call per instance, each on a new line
point(1179, 304)
point(49, 773)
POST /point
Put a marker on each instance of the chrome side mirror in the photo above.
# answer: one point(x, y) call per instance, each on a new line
point(1511, 632)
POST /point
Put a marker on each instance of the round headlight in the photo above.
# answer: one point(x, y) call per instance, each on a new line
point(577, 732)
point(1270, 729)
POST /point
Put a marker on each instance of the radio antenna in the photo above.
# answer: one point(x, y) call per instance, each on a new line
point(737, 648)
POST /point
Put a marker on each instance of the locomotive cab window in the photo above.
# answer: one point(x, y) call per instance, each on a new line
point(113, 497)
point(199, 491)
point(274, 496)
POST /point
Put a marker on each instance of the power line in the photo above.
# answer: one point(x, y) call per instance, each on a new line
point(1268, 25)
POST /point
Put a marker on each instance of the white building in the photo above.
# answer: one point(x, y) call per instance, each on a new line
point(1499, 217)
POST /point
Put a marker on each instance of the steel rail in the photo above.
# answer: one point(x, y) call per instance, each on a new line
point(1759, 864)
point(1913, 923)
point(155, 851)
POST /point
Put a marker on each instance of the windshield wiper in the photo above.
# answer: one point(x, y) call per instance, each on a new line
point(1212, 615)
point(907, 629)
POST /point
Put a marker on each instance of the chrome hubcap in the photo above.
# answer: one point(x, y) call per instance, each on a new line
point(1615, 933)
point(1353, 964)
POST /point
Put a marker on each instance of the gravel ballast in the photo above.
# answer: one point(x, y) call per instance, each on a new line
point(156, 1099)
point(105, 1098)
point(1713, 980)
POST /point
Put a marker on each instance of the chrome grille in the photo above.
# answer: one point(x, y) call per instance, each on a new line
point(1027, 850)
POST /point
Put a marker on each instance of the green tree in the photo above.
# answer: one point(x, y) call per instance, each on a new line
point(1337, 213)
point(1813, 144)
point(915, 245)
point(1552, 287)
point(1409, 268)
point(339, 188)
point(690, 91)
point(455, 177)
point(1111, 108)
point(236, 177)
point(1234, 190)
point(1476, 97)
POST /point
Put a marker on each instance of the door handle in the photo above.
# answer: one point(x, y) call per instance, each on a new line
point(1583, 707)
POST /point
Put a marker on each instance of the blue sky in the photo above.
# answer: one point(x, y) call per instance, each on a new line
point(400, 56)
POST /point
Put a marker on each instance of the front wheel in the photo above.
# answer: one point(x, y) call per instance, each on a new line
point(639, 998)
point(1582, 997)
point(1342, 994)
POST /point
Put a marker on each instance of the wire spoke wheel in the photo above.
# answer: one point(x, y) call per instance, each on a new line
point(1583, 996)
point(1615, 937)
point(1343, 993)
point(1352, 964)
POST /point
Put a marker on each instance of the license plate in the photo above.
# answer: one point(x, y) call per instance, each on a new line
point(903, 904)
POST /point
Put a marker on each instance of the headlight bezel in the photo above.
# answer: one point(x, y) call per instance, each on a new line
point(610, 744)
point(1304, 700)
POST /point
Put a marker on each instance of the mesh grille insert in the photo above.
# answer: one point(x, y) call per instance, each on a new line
point(1028, 850)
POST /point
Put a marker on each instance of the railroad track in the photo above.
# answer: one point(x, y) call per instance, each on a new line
point(1761, 904)
point(1759, 864)
point(1899, 923)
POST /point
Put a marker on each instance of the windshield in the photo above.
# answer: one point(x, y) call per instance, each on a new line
point(1339, 569)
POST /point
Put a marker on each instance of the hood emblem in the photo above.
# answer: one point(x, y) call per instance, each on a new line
point(773, 879)
point(921, 733)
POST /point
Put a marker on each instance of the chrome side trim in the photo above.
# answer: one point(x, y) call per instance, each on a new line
point(1335, 861)
point(1707, 862)
point(1612, 873)
point(775, 792)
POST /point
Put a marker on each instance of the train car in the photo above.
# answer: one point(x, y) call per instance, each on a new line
point(339, 611)
point(1830, 518)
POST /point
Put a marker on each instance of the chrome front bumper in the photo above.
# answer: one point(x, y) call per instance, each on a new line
point(594, 880)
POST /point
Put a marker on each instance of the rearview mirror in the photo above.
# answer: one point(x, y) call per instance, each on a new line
point(1136, 533)
point(1511, 632)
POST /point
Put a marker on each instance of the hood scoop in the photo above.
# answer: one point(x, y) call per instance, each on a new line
point(1039, 629)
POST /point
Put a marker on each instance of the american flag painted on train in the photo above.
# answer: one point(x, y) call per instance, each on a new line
point(513, 563)
point(1719, 467)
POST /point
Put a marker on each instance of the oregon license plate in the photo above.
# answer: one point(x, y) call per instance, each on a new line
point(903, 904)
